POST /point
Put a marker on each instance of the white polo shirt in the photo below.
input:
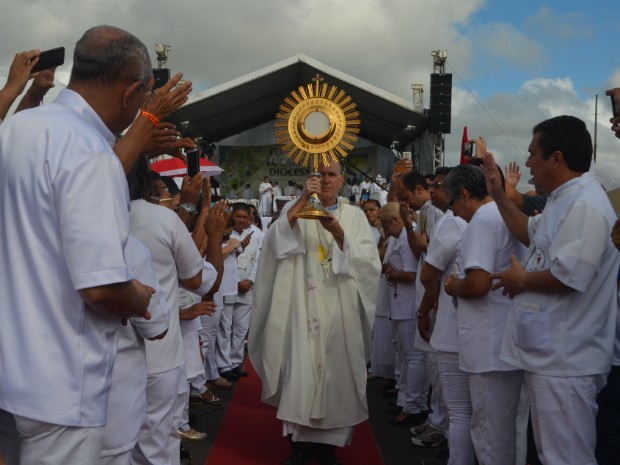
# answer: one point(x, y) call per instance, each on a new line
point(570, 333)
point(175, 257)
point(441, 255)
point(63, 225)
point(488, 245)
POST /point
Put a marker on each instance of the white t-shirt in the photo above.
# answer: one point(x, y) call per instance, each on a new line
point(127, 400)
point(175, 257)
point(570, 333)
point(488, 245)
point(441, 255)
point(63, 226)
point(402, 294)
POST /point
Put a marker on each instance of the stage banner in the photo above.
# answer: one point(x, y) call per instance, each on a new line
point(249, 165)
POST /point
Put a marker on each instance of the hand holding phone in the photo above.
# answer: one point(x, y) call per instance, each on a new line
point(50, 59)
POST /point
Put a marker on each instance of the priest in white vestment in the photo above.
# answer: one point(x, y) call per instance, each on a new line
point(310, 336)
point(265, 190)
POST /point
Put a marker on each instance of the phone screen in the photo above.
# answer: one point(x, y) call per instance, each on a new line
point(469, 149)
point(193, 162)
point(614, 111)
point(50, 59)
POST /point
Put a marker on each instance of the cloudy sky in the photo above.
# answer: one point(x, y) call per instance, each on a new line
point(513, 63)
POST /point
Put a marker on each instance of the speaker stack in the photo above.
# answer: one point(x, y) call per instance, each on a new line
point(441, 101)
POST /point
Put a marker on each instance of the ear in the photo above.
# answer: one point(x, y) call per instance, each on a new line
point(558, 157)
point(128, 95)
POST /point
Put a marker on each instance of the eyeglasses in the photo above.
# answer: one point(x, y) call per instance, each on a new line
point(372, 209)
point(435, 185)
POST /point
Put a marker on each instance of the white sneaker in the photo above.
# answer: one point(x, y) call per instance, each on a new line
point(191, 435)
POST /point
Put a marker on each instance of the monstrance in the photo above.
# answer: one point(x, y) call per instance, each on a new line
point(319, 124)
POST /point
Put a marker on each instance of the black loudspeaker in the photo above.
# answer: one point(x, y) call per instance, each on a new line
point(440, 103)
point(161, 75)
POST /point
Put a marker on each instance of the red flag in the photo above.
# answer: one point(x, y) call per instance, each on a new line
point(463, 142)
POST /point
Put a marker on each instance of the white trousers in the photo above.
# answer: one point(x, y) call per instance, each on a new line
point(383, 359)
point(242, 314)
point(413, 380)
point(563, 417)
point(494, 399)
point(159, 430)
point(223, 339)
point(208, 341)
point(455, 386)
point(437, 418)
point(46, 444)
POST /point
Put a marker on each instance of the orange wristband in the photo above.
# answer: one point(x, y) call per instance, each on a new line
point(151, 117)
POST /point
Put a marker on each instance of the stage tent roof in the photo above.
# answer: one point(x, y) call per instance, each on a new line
point(253, 99)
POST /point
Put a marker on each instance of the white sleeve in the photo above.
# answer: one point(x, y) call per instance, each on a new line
point(186, 255)
point(93, 211)
point(444, 241)
point(480, 247)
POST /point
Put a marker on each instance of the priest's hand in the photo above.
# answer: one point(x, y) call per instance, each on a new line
point(313, 186)
point(332, 225)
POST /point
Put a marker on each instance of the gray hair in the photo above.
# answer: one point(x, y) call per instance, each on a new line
point(468, 177)
point(107, 54)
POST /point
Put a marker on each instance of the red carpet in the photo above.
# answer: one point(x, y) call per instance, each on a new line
point(250, 433)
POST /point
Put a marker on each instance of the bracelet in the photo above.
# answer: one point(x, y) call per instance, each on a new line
point(151, 117)
point(422, 315)
point(38, 101)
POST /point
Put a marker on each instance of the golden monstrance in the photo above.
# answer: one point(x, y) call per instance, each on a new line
point(317, 124)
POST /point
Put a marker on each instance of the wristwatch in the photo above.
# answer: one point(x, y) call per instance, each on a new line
point(409, 227)
point(188, 207)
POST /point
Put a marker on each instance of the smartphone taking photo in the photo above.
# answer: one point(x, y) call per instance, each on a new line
point(614, 111)
point(50, 59)
point(469, 149)
point(193, 162)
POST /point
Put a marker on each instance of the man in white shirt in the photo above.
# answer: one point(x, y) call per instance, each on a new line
point(562, 322)
point(231, 335)
point(290, 189)
point(413, 194)
point(247, 193)
point(66, 239)
point(485, 248)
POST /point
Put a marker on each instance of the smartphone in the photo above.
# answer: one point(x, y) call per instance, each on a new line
point(469, 149)
point(50, 59)
point(365, 195)
point(193, 162)
point(614, 112)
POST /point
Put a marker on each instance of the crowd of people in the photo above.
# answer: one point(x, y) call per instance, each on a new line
point(126, 297)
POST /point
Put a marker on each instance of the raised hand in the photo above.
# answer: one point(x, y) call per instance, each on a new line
point(217, 219)
point(168, 97)
point(191, 189)
point(512, 173)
